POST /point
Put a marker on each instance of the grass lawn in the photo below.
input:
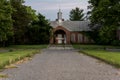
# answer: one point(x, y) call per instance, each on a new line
point(27, 46)
point(94, 46)
point(99, 53)
point(107, 56)
point(18, 52)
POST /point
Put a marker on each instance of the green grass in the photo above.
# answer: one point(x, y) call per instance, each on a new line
point(3, 76)
point(94, 46)
point(15, 53)
point(99, 52)
point(11, 57)
point(107, 56)
point(27, 46)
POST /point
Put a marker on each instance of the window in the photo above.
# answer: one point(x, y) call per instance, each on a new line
point(73, 37)
point(80, 38)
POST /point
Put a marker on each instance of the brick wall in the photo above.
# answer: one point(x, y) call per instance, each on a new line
point(72, 37)
point(66, 32)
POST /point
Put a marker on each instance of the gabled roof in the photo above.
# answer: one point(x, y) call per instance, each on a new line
point(72, 25)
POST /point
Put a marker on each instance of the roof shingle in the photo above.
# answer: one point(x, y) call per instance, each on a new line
point(72, 25)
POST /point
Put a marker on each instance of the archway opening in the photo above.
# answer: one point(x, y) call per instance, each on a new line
point(60, 37)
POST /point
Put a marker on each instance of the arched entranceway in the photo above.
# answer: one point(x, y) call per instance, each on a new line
point(60, 37)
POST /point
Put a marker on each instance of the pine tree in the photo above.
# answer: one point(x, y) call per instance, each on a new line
point(76, 14)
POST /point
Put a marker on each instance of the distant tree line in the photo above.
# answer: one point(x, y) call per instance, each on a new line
point(19, 24)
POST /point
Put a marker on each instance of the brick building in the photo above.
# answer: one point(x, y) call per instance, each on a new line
point(66, 32)
point(69, 31)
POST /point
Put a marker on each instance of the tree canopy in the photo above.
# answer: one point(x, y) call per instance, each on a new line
point(39, 31)
point(5, 21)
point(105, 20)
point(22, 16)
point(19, 24)
point(76, 14)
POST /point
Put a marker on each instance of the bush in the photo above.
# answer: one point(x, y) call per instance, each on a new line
point(116, 43)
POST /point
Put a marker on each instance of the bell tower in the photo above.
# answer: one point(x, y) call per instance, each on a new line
point(59, 15)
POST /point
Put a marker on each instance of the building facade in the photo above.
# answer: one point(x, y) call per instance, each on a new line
point(67, 32)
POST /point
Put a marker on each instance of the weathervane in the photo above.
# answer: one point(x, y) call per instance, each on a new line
point(59, 4)
point(59, 14)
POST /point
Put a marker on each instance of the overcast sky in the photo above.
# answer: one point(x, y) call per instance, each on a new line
point(49, 8)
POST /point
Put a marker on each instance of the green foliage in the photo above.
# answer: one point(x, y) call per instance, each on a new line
point(76, 14)
point(105, 19)
point(19, 24)
point(39, 31)
point(29, 28)
point(105, 33)
point(116, 42)
point(31, 13)
point(22, 16)
point(5, 21)
point(95, 47)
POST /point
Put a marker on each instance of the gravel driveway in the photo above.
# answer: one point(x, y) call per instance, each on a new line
point(62, 64)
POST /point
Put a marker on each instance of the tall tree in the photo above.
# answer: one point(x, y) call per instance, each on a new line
point(39, 31)
point(76, 14)
point(22, 16)
point(5, 21)
point(105, 18)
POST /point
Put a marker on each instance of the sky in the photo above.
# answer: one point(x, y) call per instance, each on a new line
point(49, 8)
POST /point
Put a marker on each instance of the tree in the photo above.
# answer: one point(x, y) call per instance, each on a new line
point(105, 20)
point(6, 30)
point(19, 23)
point(76, 14)
point(22, 17)
point(39, 31)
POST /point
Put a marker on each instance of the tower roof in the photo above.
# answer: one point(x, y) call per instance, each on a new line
point(59, 11)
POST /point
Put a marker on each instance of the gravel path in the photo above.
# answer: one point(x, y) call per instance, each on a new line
point(62, 64)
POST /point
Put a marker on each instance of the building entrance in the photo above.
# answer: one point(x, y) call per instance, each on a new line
point(60, 37)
